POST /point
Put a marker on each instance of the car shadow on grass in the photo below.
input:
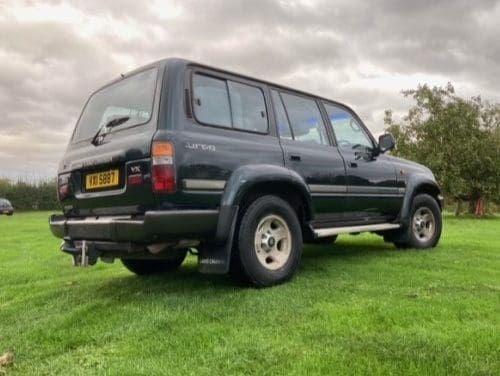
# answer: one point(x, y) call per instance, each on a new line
point(187, 278)
point(348, 249)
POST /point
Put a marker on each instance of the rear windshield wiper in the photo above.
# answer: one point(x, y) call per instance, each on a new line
point(102, 131)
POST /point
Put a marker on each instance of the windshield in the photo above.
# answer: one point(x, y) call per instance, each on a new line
point(4, 202)
point(131, 97)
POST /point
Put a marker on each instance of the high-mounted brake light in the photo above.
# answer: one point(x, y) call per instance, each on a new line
point(163, 170)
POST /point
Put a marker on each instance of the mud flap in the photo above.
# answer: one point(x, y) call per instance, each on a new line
point(215, 257)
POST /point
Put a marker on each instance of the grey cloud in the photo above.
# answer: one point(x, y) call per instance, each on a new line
point(48, 68)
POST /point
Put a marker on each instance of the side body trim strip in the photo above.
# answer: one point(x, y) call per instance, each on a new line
point(355, 189)
point(321, 188)
point(204, 184)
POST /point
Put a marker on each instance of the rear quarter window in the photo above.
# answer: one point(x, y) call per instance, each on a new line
point(229, 104)
point(211, 101)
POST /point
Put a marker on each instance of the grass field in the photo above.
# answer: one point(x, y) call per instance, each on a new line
point(357, 307)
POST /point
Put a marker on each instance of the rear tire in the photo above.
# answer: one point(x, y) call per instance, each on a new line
point(148, 267)
point(424, 229)
point(269, 245)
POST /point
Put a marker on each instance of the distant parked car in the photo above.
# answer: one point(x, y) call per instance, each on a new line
point(6, 207)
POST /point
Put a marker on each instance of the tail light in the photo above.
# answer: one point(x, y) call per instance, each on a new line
point(63, 187)
point(163, 170)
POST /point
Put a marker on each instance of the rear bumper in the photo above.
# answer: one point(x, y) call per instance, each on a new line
point(152, 226)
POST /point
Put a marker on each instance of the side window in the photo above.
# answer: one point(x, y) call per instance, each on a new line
point(229, 104)
point(281, 118)
point(305, 119)
point(248, 107)
point(349, 133)
point(211, 101)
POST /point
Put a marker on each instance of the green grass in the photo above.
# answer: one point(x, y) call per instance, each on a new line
point(357, 307)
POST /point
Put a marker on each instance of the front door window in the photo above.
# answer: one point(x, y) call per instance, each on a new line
point(350, 134)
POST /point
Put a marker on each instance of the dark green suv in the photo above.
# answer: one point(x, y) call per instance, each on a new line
point(179, 156)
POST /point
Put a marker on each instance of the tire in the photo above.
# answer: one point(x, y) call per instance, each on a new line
point(275, 258)
point(148, 267)
point(424, 229)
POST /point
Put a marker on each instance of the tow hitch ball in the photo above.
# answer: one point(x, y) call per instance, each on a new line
point(83, 253)
point(82, 259)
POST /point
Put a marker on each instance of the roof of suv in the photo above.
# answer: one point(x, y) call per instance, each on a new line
point(185, 62)
point(182, 63)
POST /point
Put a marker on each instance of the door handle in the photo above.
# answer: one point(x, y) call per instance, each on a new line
point(295, 157)
point(353, 164)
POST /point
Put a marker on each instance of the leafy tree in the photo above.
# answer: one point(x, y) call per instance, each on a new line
point(458, 139)
point(30, 196)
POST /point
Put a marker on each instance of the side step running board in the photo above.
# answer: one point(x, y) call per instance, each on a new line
point(323, 232)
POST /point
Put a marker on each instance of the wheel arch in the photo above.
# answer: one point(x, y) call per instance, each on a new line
point(256, 180)
point(245, 184)
point(418, 184)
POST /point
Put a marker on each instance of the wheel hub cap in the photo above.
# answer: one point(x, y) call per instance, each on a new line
point(423, 224)
point(273, 242)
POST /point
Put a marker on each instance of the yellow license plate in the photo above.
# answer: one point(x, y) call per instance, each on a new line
point(104, 179)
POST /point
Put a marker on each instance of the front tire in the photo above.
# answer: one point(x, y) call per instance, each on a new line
point(269, 245)
point(424, 229)
point(148, 267)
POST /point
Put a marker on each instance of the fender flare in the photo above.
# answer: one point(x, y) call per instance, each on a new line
point(246, 177)
point(214, 258)
point(414, 183)
point(243, 179)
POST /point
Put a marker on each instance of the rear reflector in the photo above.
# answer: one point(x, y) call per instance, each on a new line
point(63, 186)
point(163, 178)
point(163, 170)
point(134, 179)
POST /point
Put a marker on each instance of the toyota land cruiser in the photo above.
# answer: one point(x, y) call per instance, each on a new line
point(179, 156)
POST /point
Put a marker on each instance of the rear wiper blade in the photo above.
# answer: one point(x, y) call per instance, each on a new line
point(102, 131)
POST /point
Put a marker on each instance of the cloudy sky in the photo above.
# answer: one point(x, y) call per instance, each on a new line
point(363, 53)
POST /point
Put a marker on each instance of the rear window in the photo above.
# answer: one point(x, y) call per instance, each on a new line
point(131, 97)
point(229, 104)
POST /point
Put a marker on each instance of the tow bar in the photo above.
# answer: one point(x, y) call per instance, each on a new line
point(84, 253)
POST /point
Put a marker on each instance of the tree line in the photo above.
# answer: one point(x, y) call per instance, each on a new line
point(30, 195)
point(457, 138)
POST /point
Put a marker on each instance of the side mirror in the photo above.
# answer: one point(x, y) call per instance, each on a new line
point(386, 142)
